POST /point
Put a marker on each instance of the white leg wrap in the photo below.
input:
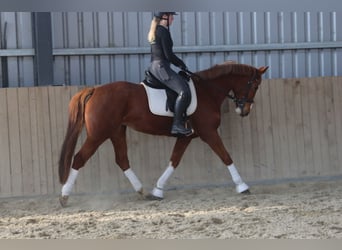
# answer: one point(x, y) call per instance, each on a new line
point(67, 187)
point(158, 190)
point(240, 185)
point(133, 179)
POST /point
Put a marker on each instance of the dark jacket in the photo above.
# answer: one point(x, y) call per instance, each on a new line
point(162, 50)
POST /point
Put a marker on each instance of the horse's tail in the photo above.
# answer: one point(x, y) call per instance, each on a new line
point(75, 125)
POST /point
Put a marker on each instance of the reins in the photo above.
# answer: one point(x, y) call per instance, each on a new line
point(238, 101)
point(192, 74)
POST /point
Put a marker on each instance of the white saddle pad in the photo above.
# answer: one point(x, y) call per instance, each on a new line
point(157, 100)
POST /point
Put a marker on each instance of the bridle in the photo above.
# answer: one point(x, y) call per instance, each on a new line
point(240, 102)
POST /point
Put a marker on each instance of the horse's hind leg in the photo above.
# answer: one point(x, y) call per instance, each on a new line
point(121, 158)
point(88, 149)
point(177, 153)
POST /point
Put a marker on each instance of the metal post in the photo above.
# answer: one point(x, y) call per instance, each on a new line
point(42, 39)
point(4, 63)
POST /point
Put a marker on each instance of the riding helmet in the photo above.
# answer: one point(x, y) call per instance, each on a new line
point(161, 14)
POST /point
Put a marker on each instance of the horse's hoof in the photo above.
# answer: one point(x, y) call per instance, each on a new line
point(141, 192)
point(246, 192)
point(152, 197)
point(63, 200)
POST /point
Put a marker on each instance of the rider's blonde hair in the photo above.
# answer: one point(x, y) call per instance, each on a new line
point(151, 37)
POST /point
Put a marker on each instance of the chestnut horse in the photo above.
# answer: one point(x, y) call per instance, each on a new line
point(107, 110)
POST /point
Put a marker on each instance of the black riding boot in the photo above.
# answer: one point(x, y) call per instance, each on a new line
point(178, 127)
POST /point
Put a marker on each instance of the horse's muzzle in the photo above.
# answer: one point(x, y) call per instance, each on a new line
point(242, 112)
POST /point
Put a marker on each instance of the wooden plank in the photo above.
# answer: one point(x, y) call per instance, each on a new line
point(307, 90)
point(108, 170)
point(258, 141)
point(330, 164)
point(191, 164)
point(337, 104)
point(163, 155)
point(283, 143)
point(135, 155)
point(278, 127)
point(42, 147)
point(236, 151)
point(275, 130)
point(315, 128)
point(324, 163)
point(34, 141)
point(216, 171)
point(267, 164)
point(5, 163)
point(247, 170)
point(54, 137)
point(25, 141)
point(296, 97)
point(150, 151)
point(203, 164)
point(15, 153)
point(290, 110)
point(47, 139)
point(94, 171)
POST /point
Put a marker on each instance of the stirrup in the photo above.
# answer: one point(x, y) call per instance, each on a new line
point(178, 131)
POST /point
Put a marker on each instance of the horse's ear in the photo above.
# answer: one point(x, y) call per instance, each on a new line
point(263, 69)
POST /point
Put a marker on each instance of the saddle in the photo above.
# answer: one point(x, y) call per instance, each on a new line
point(161, 99)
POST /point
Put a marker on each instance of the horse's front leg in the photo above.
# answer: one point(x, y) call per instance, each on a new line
point(177, 153)
point(215, 142)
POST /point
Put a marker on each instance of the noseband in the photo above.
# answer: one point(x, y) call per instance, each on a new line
point(240, 102)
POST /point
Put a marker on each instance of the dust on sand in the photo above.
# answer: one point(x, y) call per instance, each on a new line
point(310, 210)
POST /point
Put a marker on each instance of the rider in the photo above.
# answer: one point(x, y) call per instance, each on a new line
point(162, 56)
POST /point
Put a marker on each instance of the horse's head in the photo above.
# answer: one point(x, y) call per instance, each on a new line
point(241, 79)
point(244, 93)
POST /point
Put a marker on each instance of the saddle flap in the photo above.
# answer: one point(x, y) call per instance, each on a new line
point(157, 100)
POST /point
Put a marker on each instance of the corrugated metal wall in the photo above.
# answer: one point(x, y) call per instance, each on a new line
point(16, 34)
point(99, 47)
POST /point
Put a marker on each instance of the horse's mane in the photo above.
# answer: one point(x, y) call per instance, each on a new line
point(226, 68)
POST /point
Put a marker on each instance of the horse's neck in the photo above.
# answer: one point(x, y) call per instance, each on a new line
point(218, 89)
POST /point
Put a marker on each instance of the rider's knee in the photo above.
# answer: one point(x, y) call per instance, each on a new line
point(185, 96)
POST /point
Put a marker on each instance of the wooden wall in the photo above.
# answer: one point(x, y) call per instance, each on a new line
point(294, 131)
